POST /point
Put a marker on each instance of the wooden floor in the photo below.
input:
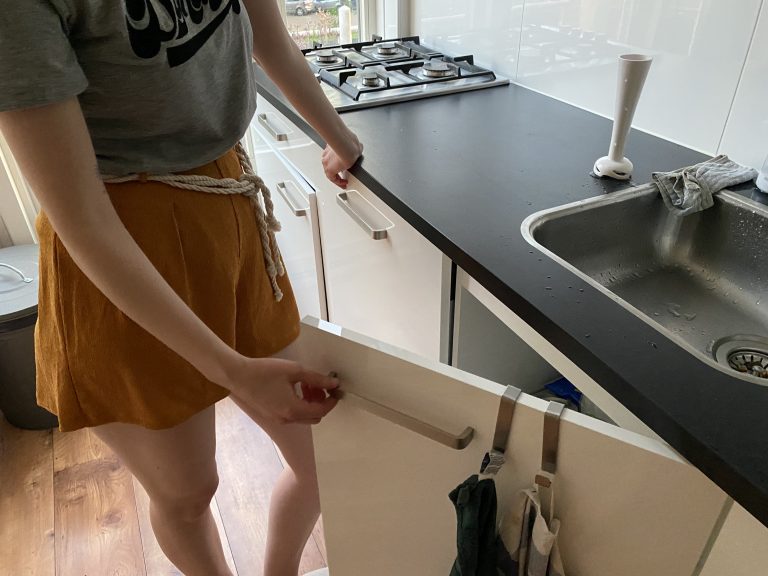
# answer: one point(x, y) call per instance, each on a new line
point(68, 507)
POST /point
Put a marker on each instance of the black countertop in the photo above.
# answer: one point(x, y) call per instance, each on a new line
point(466, 170)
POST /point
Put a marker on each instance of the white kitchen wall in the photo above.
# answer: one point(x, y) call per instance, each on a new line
point(568, 49)
point(746, 134)
point(489, 29)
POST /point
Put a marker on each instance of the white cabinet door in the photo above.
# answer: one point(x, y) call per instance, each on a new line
point(628, 505)
point(299, 239)
point(382, 277)
point(741, 549)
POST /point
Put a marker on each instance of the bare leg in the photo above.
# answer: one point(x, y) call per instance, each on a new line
point(177, 468)
point(295, 504)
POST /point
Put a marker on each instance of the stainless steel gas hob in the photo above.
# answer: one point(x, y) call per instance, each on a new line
point(366, 74)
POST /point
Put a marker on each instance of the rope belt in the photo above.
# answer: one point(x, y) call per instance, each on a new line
point(250, 185)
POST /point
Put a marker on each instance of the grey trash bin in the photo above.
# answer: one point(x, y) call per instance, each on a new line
point(18, 314)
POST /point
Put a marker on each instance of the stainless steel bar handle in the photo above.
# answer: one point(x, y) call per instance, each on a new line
point(282, 187)
point(454, 441)
point(24, 278)
point(279, 136)
point(375, 233)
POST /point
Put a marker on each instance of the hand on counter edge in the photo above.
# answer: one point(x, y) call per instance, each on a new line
point(336, 162)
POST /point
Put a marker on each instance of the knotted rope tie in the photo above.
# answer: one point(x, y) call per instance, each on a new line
point(249, 185)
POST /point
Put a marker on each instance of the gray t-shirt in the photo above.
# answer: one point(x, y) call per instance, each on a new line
point(165, 85)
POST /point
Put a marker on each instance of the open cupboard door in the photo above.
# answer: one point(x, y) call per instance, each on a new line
point(627, 504)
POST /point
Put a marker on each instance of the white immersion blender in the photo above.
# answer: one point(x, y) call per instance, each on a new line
point(633, 69)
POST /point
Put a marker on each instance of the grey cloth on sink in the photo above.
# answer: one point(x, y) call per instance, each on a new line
point(691, 189)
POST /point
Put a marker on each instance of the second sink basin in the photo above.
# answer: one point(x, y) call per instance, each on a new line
point(701, 279)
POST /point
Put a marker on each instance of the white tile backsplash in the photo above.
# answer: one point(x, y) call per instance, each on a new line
point(746, 134)
point(698, 46)
point(568, 49)
point(488, 29)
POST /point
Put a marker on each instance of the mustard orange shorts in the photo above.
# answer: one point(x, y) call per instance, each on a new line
point(95, 365)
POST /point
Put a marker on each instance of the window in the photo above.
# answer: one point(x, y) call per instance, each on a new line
point(310, 21)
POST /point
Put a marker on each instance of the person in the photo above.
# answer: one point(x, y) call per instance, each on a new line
point(159, 298)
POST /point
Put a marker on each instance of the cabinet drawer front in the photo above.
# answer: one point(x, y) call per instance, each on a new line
point(274, 128)
point(296, 209)
point(254, 144)
point(627, 504)
point(383, 278)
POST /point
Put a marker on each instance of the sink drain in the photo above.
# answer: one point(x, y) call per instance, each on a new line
point(750, 362)
point(745, 354)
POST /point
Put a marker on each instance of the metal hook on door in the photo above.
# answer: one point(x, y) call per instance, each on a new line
point(549, 443)
point(494, 460)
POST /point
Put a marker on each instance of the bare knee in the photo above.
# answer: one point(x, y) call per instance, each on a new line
point(187, 503)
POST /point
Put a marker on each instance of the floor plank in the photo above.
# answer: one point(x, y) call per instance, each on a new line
point(26, 502)
point(154, 559)
point(97, 529)
point(73, 486)
point(223, 534)
point(248, 468)
point(79, 447)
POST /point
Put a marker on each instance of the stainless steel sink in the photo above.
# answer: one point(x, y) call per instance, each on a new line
point(702, 279)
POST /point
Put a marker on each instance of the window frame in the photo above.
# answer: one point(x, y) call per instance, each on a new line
point(372, 16)
point(18, 206)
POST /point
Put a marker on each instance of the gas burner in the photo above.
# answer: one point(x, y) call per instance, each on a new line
point(387, 49)
point(437, 69)
point(370, 79)
point(326, 56)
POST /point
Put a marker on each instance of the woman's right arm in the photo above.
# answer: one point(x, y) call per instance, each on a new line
point(54, 150)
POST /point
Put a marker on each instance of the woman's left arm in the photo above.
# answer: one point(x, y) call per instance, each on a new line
point(284, 63)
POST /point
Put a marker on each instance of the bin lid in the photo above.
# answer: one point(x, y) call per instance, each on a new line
point(19, 277)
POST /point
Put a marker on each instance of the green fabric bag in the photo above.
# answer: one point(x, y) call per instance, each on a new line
point(480, 550)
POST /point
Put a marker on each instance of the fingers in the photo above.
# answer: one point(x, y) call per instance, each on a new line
point(306, 412)
point(333, 175)
point(315, 402)
point(332, 166)
point(316, 380)
point(339, 181)
point(312, 394)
